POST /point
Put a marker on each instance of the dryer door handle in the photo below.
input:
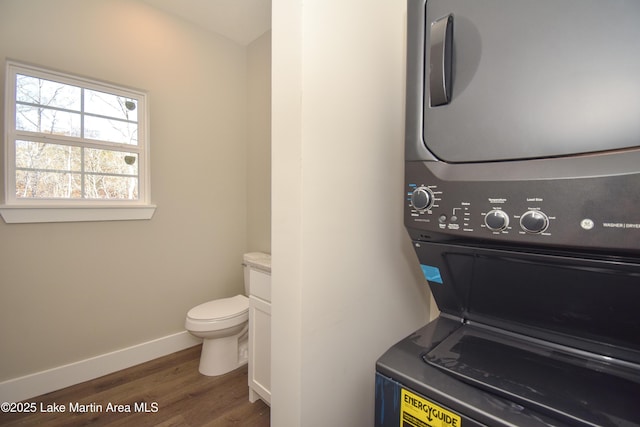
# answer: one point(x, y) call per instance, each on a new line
point(440, 57)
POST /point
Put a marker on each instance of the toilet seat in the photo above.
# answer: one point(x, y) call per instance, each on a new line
point(218, 314)
point(220, 309)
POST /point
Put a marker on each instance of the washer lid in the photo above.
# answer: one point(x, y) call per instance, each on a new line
point(219, 309)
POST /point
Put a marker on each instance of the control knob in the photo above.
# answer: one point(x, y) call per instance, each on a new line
point(534, 221)
point(496, 220)
point(421, 198)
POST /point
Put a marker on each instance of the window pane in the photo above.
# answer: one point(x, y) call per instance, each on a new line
point(106, 104)
point(72, 141)
point(110, 162)
point(47, 185)
point(38, 155)
point(48, 93)
point(45, 120)
point(111, 187)
point(110, 130)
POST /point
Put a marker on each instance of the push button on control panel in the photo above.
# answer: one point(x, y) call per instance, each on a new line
point(534, 222)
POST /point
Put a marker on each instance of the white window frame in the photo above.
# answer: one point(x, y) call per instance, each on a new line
point(19, 210)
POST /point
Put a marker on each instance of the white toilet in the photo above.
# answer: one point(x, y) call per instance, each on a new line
point(223, 324)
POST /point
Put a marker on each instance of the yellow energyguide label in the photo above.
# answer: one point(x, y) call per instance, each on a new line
point(416, 411)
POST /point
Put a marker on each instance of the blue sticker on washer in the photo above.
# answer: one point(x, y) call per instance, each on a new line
point(431, 273)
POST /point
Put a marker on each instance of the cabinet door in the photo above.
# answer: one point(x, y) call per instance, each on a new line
point(260, 283)
point(259, 350)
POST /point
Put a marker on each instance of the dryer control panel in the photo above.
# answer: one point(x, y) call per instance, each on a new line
point(508, 202)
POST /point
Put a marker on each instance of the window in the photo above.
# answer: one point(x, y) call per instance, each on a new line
point(75, 149)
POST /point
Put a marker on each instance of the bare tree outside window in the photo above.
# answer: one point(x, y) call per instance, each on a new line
point(74, 142)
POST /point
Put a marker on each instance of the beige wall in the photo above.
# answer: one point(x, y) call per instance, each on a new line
point(75, 290)
point(259, 145)
point(345, 281)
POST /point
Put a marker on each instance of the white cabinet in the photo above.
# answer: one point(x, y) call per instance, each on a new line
point(259, 336)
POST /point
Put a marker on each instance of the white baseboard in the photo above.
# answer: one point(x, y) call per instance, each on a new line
point(36, 384)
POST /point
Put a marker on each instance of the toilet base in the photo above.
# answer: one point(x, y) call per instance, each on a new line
point(222, 355)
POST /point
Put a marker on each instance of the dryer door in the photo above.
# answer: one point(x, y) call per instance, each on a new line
point(519, 79)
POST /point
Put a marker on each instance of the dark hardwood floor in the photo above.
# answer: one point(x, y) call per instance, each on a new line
point(170, 389)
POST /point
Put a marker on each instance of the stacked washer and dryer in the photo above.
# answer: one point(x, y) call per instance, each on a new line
point(522, 199)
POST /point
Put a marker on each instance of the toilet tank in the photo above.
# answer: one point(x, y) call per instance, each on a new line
point(257, 261)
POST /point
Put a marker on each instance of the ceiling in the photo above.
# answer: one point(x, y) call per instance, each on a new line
point(239, 20)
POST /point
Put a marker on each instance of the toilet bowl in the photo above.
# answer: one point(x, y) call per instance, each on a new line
point(223, 325)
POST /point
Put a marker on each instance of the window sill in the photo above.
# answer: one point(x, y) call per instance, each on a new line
point(21, 214)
